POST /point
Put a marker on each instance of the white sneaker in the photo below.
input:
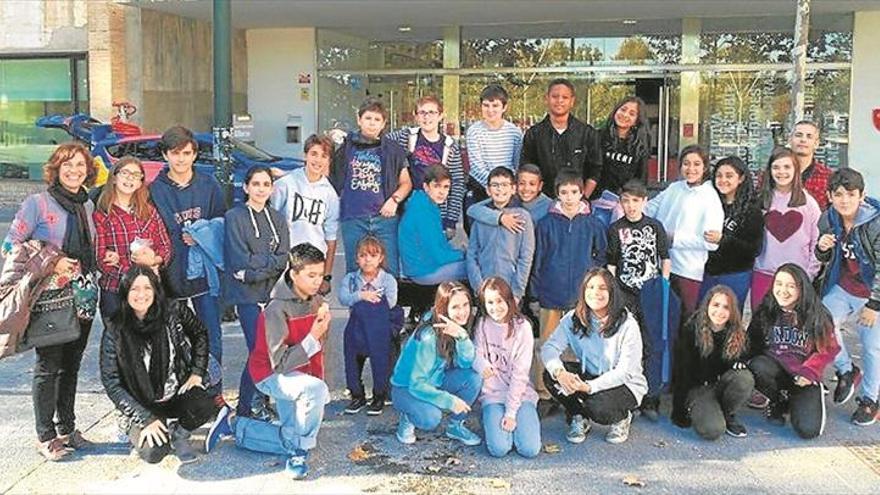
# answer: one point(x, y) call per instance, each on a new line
point(577, 429)
point(619, 431)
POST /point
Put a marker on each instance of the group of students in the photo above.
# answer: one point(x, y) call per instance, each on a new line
point(536, 244)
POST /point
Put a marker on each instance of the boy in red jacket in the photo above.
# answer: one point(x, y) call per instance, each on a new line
point(287, 364)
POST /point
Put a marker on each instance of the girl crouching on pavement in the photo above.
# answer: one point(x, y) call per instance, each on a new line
point(606, 382)
point(711, 381)
point(435, 370)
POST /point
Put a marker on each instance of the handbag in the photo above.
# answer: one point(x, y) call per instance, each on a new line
point(53, 320)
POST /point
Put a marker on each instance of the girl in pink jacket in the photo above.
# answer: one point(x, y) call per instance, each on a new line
point(504, 348)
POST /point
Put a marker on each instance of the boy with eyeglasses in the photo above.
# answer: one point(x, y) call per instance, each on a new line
point(496, 251)
point(427, 146)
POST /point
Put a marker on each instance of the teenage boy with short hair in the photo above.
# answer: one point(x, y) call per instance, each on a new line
point(561, 141)
point(638, 251)
point(529, 193)
point(426, 146)
point(491, 142)
point(496, 251)
point(803, 142)
point(849, 242)
point(183, 195)
point(568, 242)
point(370, 173)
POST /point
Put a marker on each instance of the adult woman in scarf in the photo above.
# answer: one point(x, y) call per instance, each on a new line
point(62, 216)
point(154, 361)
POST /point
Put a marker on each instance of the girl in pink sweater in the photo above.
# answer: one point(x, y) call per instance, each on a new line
point(791, 223)
point(505, 345)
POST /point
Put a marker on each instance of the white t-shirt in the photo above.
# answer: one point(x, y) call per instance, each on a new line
point(311, 208)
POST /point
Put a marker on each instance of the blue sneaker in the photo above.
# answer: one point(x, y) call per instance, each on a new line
point(296, 466)
point(406, 431)
point(220, 428)
point(456, 430)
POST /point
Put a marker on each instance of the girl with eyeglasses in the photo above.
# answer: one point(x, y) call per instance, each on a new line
point(129, 230)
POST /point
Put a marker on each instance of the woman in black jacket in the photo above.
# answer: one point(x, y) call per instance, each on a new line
point(154, 361)
point(742, 237)
point(711, 381)
point(625, 146)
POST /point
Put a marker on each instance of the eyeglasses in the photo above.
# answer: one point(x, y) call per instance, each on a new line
point(127, 174)
point(427, 113)
point(499, 185)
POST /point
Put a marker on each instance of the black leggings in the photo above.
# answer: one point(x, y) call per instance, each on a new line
point(806, 404)
point(54, 385)
point(605, 407)
point(710, 405)
point(192, 409)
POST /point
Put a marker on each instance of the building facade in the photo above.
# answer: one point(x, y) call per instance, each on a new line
point(714, 73)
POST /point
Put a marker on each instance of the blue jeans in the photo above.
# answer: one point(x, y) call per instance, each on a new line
point(450, 272)
point(207, 308)
point(739, 283)
point(841, 304)
point(300, 399)
point(463, 383)
point(247, 315)
point(526, 437)
point(385, 229)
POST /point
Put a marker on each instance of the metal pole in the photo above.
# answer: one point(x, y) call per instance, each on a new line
point(222, 130)
point(799, 57)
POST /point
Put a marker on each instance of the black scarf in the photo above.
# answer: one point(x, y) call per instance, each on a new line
point(135, 336)
point(77, 238)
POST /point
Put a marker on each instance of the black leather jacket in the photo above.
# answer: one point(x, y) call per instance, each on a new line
point(190, 340)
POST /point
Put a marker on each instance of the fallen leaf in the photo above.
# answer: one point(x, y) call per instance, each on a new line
point(360, 454)
point(433, 468)
point(453, 461)
point(632, 480)
point(552, 448)
point(499, 483)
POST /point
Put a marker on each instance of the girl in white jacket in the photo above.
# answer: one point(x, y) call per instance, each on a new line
point(606, 382)
point(692, 214)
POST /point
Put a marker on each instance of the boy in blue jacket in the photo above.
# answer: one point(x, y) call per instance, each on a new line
point(182, 196)
point(426, 256)
point(568, 242)
point(849, 242)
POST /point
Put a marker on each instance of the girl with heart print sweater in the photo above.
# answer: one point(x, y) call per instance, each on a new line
point(791, 223)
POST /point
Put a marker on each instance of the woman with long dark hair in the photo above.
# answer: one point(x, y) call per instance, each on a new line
point(154, 367)
point(710, 380)
point(606, 382)
point(792, 342)
point(435, 370)
point(739, 242)
point(62, 216)
point(625, 145)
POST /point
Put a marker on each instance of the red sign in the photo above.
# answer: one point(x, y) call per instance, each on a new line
point(688, 130)
point(877, 119)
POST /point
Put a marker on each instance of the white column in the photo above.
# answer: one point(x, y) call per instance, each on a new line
point(864, 137)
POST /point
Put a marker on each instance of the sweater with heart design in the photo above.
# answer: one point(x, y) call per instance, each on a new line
point(790, 235)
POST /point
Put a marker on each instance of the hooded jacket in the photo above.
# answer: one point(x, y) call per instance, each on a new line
point(256, 243)
point(865, 236)
point(393, 159)
point(283, 342)
point(179, 206)
point(420, 238)
point(510, 358)
point(188, 336)
point(565, 249)
point(495, 251)
point(576, 148)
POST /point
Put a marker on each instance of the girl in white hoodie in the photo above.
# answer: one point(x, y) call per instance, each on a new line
point(692, 214)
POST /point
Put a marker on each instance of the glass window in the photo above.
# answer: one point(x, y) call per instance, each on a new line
point(362, 50)
point(31, 88)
